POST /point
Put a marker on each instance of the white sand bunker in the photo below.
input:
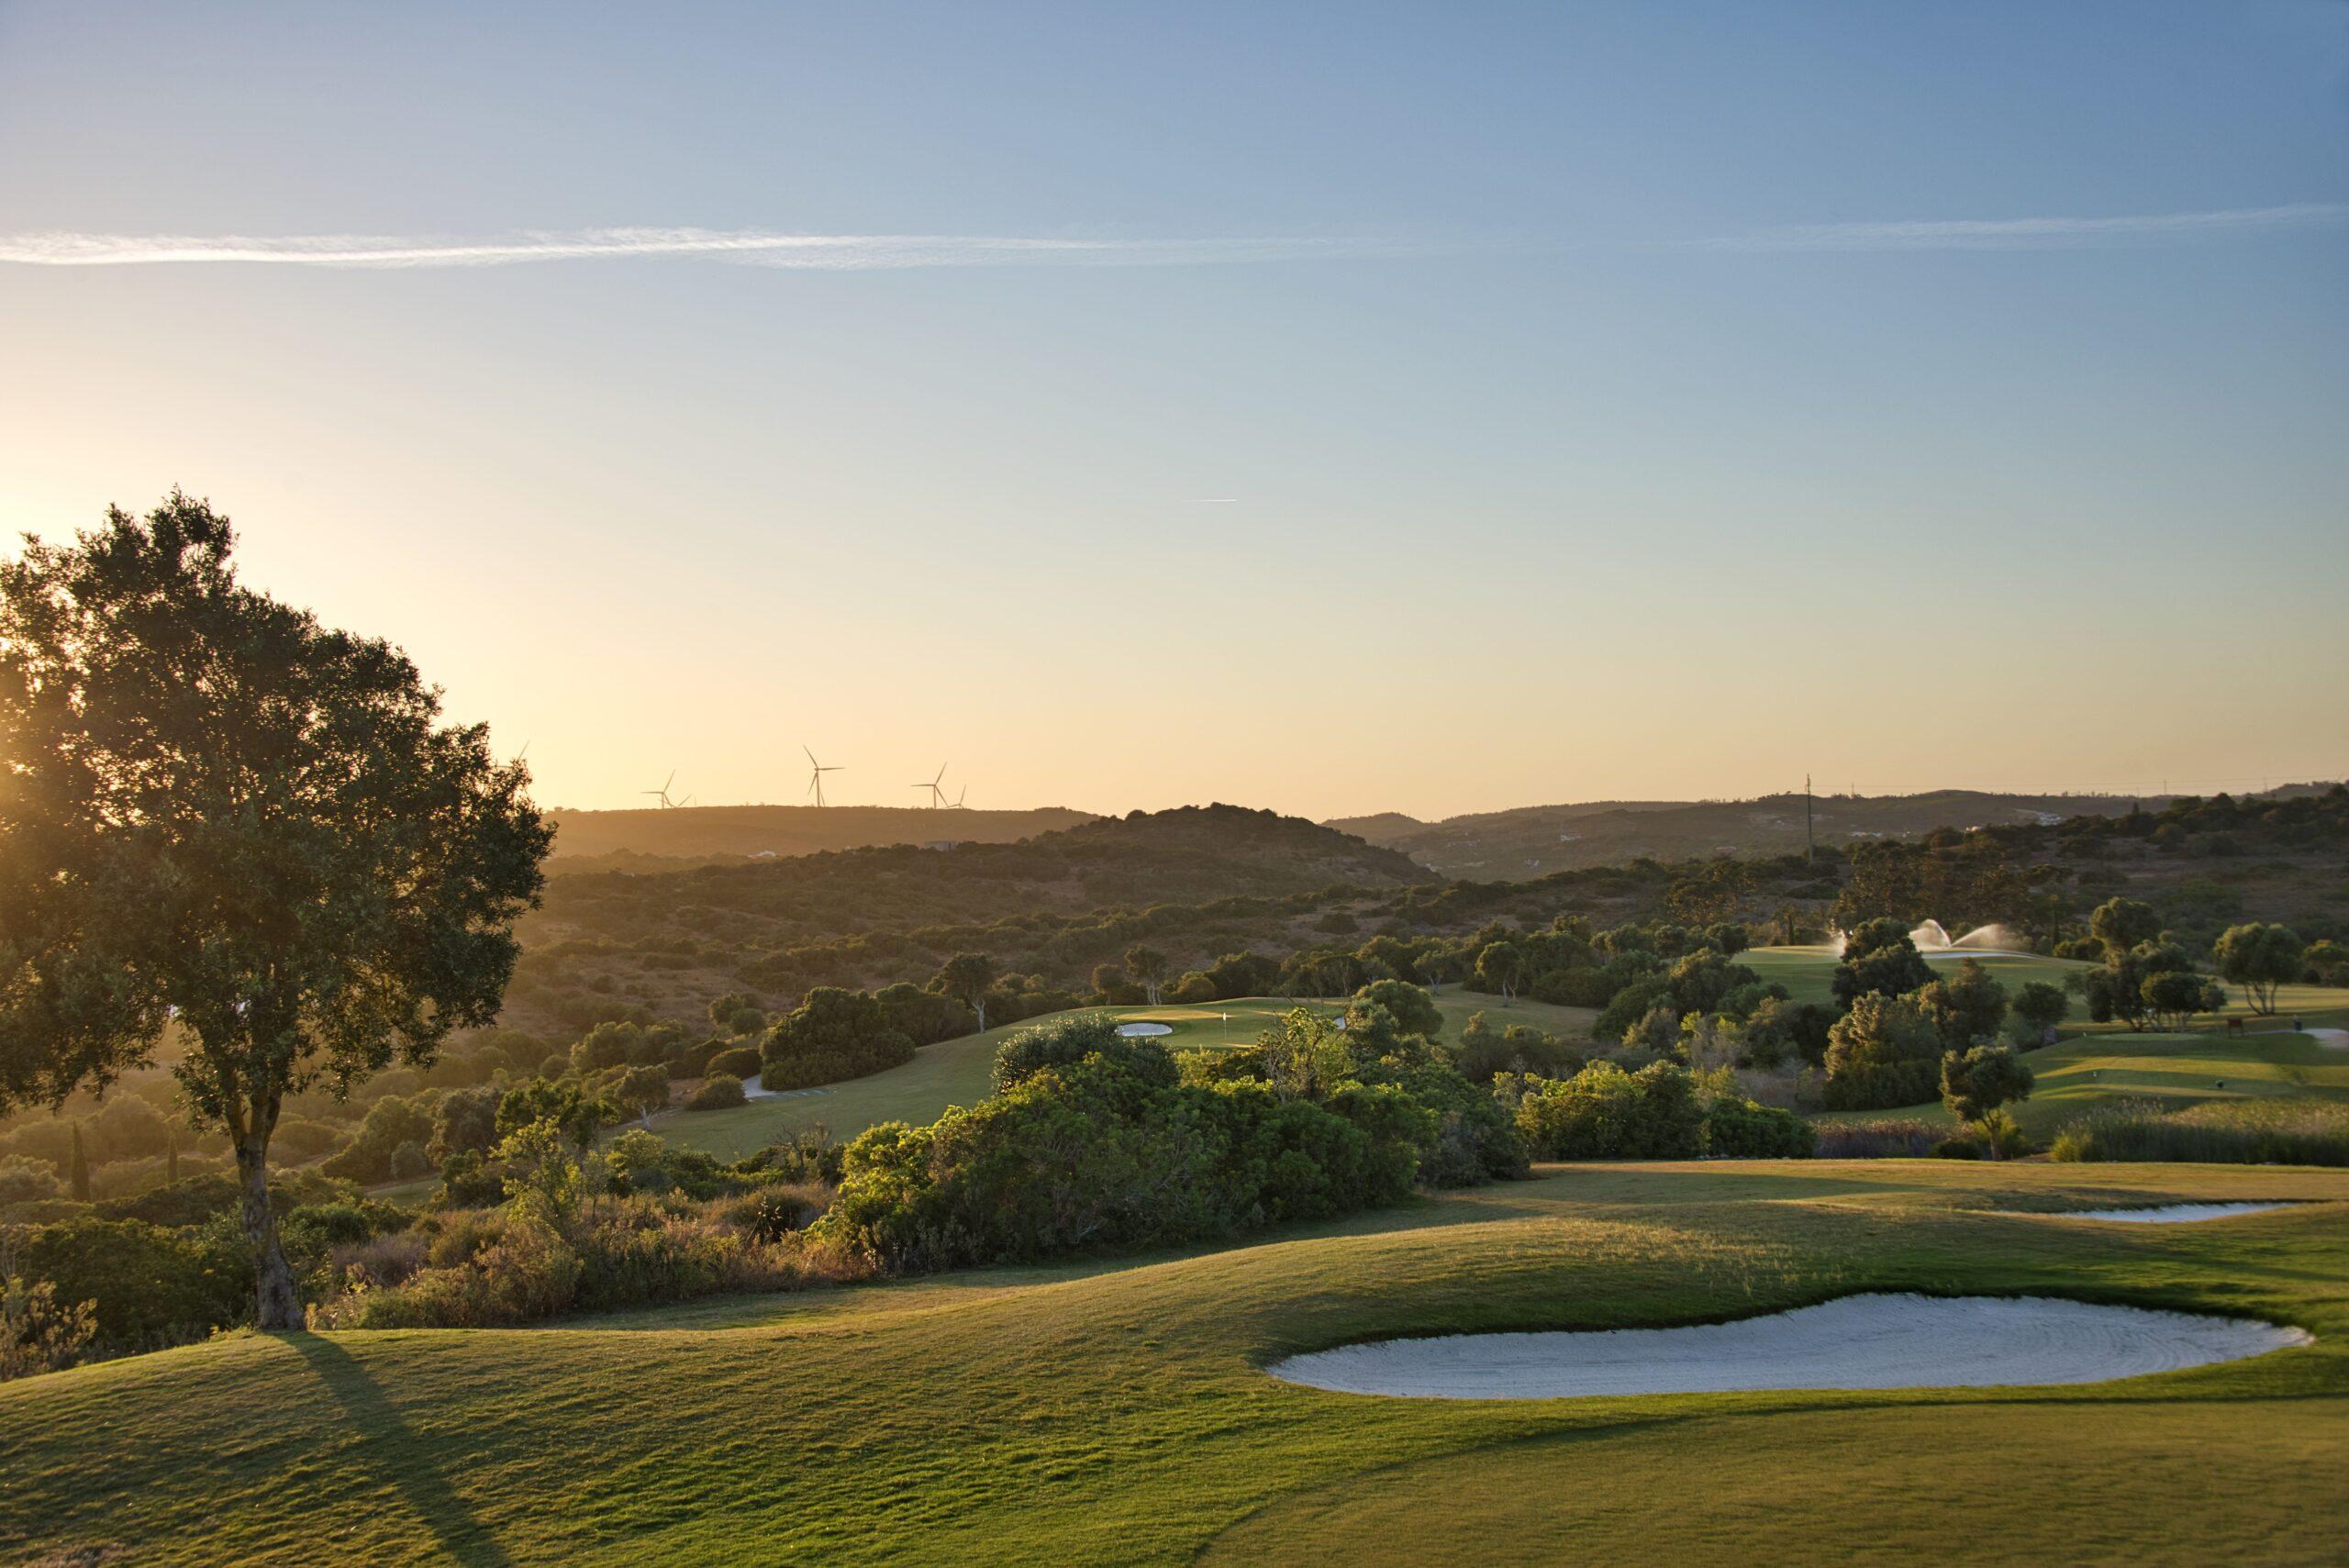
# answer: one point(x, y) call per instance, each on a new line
point(2169, 1213)
point(1137, 1031)
point(1861, 1341)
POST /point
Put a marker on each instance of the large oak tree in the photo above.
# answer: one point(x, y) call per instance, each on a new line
point(219, 816)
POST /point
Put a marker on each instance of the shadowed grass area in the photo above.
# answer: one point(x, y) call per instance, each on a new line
point(1113, 1411)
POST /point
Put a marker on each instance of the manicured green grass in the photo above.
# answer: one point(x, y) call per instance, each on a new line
point(959, 1071)
point(1115, 1411)
point(1808, 972)
point(2174, 1070)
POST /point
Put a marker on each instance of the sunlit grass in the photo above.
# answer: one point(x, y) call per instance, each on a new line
point(1112, 1410)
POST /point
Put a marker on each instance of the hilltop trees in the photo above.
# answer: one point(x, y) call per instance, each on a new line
point(2260, 958)
point(219, 814)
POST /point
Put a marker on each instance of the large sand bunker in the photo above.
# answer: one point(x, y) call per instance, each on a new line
point(2169, 1213)
point(1861, 1341)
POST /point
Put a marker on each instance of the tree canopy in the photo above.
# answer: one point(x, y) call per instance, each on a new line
point(218, 813)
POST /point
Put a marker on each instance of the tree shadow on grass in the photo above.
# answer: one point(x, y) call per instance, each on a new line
point(399, 1454)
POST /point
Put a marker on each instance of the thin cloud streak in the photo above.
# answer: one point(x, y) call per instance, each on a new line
point(2030, 233)
point(837, 252)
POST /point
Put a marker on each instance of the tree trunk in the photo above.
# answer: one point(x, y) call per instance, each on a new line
point(275, 1304)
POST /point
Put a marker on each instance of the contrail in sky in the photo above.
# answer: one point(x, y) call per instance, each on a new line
point(861, 252)
point(2030, 233)
point(837, 252)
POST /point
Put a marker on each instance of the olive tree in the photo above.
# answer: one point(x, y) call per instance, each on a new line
point(2260, 958)
point(1148, 966)
point(218, 816)
point(1977, 1081)
point(968, 977)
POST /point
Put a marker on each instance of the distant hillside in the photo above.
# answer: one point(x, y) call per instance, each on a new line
point(1535, 841)
point(1198, 883)
point(674, 839)
point(711, 919)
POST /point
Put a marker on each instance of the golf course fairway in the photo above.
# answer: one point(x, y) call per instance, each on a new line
point(1117, 1410)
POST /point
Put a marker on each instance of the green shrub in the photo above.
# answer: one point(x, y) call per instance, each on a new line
point(1886, 1052)
point(721, 1091)
point(1110, 1152)
point(1604, 1113)
point(1738, 1128)
point(24, 1180)
point(1067, 1041)
point(1581, 987)
point(149, 1285)
point(832, 1034)
point(1475, 1139)
point(735, 1062)
point(807, 1154)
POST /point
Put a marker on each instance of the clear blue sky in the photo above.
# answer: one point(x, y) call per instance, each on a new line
point(1607, 400)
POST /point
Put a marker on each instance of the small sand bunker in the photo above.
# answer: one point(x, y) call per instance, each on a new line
point(1861, 1341)
point(1137, 1031)
point(2169, 1213)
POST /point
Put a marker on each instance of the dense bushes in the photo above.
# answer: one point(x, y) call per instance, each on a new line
point(149, 1285)
point(722, 1092)
point(1063, 1044)
point(1886, 1052)
point(2293, 1132)
point(1737, 1128)
point(832, 1034)
point(1604, 1113)
point(1661, 1112)
point(1111, 1151)
point(735, 1062)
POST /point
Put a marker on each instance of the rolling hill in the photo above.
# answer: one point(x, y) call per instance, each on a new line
point(678, 837)
point(1533, 840)
point(672, 940)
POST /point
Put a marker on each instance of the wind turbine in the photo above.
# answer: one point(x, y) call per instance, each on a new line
point(937, 796)
point(815, 779)
point(958, 804)
point(662, 795)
